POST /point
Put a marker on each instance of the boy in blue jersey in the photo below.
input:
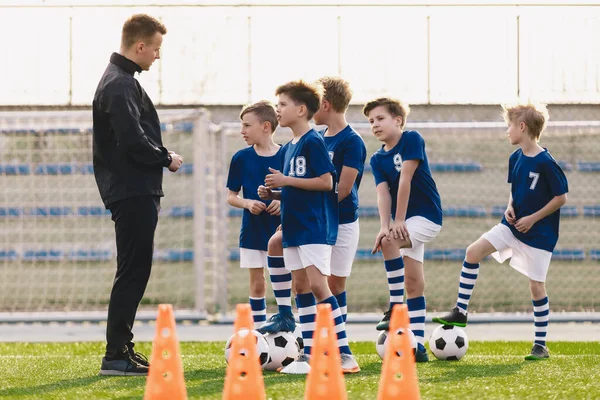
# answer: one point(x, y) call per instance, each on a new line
point(529, 229)
point(309, 212)
point(410, 210)
point(260, 219)
point(348, 153)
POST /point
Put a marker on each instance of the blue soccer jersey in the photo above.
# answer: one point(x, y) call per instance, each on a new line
point(247, 171)
point(424, 199)
point(308, 217)
point(534, 182)
point(347, 148)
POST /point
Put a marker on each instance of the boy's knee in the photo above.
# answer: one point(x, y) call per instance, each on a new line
point(473, 255)
point(258, 286)
point(300, 285)
point(537, 289)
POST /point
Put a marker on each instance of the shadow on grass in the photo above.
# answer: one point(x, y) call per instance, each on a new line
point(455, 371)
point(51, 387)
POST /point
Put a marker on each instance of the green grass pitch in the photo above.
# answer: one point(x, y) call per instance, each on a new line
point(490, 370)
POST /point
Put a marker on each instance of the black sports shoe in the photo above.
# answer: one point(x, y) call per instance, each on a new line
point(538, 352)
point(138, 357)
point(384, 324)
point(454, 318)
point(125, 365)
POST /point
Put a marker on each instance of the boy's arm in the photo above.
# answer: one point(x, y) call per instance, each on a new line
point(384, 204)
point(254, 206)
point(323, 183)
point(399, 228)
point(524, 224)
point(267, 194)
point(509, 214)
point(347, 178)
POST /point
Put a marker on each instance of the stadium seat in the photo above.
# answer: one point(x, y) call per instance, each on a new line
point(181, 212)
point(43, 255)
point(594, 254)
point(90, 255)
point(186, 127)
point(15, 169)
point(448, 167)
point(591, 211)
point(8, 255)
point(566, 211)
point(568, 254)
point(55, 169)
point(445, 254)
point(48, 211)
point(92, 211)
point(566, 166)
point(466, 211)
point(585, 166)
point(11, 211)
point(174, 255)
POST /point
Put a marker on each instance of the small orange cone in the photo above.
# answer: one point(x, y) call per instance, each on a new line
point(399, 372)
point(325, 380)
point(244, 379)
point(165, 377)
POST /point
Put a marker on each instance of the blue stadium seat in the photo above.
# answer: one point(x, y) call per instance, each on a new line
point(365, 255)
point(174, 255)
point(585, 166)
point(55, 169)
point(90, 255)
point(465, 211)
point(591, 211)
point(15, 169)
point(456, 167)
point(568, 254)
point(8, 255)
point(92, 211)
point(234, 255)
point(566, 166)
point(85, 169)
point(566, 211)
point(186, 169)
point(368, 212)
point(186, 127)
point(181, 212)
point(595, 254)
point(236, 212)
point(43, 255)
point(11, 211)
point(445, 254)
point(48, 211)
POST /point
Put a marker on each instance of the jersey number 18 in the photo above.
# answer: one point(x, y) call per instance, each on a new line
point(298, 166)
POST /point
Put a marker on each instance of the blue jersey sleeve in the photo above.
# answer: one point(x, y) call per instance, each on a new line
point(318, 157)
point(355, 154)
point(556, 178)
point(377, 172)
point(414, 148)
point(234, 178)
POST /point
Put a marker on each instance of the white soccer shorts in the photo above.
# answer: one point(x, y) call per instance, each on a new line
point(300, 257)
point(529, 261)
point(421, 231)
point(344, 250)
point(250, 258)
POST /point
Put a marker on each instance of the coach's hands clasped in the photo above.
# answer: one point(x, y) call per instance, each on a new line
point(176, 161)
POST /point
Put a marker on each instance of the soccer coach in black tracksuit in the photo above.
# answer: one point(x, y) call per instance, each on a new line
point(128, 165)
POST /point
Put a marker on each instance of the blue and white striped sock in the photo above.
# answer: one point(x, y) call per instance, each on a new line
point(541, 316)
point(340, 326)
point(307, 311)
point(468, 276)
point(281, 280)
point(416, 313)
point(259, 310)
point(395, 277)
point(341, 299)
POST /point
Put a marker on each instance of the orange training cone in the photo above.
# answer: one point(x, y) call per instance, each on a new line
point(165, 377)
point(325, 380)
point(244, 379)
point(399, 372)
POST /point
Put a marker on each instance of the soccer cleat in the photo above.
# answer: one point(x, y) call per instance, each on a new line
point(138, 357)
point(278, 323)
point(125, 365)
point(421, 355)
point(538, 352)
point(298, 367)
point(454, 318)
point(349, 364)
point(384, 324)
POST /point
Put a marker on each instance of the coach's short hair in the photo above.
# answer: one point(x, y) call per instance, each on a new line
point(140, 27)
point(302, 93)
point(264, 111)
point(395, 107)
point(337, 92)
point(535, 116)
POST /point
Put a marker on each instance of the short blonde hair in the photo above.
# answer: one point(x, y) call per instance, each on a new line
point(303, 93)
point(395, 107)
point(140, 27)
point(535, 116)
point(264, 111)
point(337, 92)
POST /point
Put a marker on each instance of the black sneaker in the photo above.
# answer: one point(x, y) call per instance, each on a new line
point(538, 352)
point(384, 324)
point(421, 355)
point(454, 318)
point(123, 366)
point(138, 357)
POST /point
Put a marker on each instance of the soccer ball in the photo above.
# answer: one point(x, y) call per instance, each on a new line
point(283, 350)
point(262, 347)
point(448, 342)
point(382, 341)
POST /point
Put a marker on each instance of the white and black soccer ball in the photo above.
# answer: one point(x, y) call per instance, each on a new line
point(283, 350)
point(262, 347)
point(448, 342)
point(381, 343)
